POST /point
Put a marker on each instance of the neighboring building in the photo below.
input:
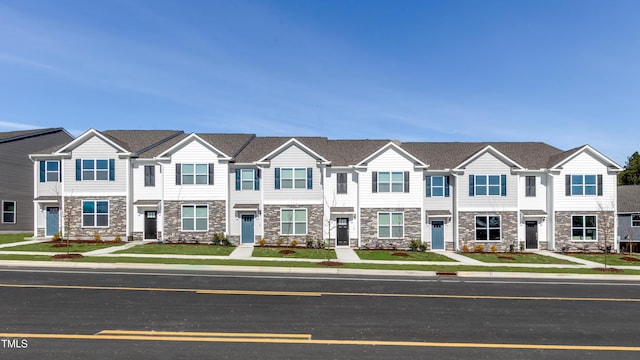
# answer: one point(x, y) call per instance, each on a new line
point(16, 178)
point(359, 193)
point(629, 217)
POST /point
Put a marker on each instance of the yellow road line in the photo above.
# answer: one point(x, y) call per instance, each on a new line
point(205, 334)
point(324, 342)
point(316, 294)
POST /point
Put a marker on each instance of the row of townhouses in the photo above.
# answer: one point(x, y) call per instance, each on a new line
point(170, 185)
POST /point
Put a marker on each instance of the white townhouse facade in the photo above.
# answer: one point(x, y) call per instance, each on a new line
point(168, 185)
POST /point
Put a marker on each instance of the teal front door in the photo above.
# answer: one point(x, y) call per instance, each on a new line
point(247, 229)
point(53, 221)
point(437, 235)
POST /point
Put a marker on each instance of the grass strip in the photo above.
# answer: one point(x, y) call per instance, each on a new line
point(11, 238)
point(181, 249)
point(407, 255)
point(299, 253)
point(74, 248)
point(516, 258)
point(612, 259)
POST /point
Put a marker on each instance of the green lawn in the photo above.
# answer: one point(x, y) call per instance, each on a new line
point(11, 238)
point(315, 264)
point(75, 248)
point(300, 253)
point(182, 249)
point(612, 259)
point(516, 258)
point(411, 255)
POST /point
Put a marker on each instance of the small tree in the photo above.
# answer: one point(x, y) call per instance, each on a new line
point(631, 173)
point(606, 224)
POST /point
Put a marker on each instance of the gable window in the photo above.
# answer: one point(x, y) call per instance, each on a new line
point(8, 212)
point(530, 186)
point(390, 225)
point(437, 186)
point(247, 179)
point(390, 181)
point(95, 213)
point(588, 185)
point(149, 175)
point(91, 169)
point(488, 228)
point(194, 174)
point(584, 228)
point(293, 178)
point(487, 185)
point(195, 217)
point(49, 171)
point(342, 183)
point(635, 220)
point(293, 221)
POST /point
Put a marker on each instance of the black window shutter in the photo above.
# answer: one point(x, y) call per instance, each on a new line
point(406, 181)
point(567, 185)
point(237, 179)
point(309, 178)
point(78, 169)
point(210, 174)
point(112, 169)
point(471, 186)
point(427, 186)
point(178, 174)
point(599, 185)
point(256, 179)
point(503, 183)
point(446, 186)
point(374, 181)
point(277, 178)
point(42, 171)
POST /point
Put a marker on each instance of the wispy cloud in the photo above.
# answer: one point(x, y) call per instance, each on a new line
point(16, 126)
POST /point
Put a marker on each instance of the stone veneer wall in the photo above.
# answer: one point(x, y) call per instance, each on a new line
point(271, 218)
point(369, 228)
point(173, 221)
point(138, 235)
point(508, 227)
point(606, 227)
point(72, 218)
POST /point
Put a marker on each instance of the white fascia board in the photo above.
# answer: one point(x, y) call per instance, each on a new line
point(395, 146)
point(291, 142)
point(484, 150)
point(85, 136)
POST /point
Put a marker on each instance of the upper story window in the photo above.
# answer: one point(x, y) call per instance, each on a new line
point(530, 186)
point(588, 185)
point(95, 169)
point(584, 227)
point(8, 212)
point(149, 175)
point(95, 213)
point(247, 179)
point(635, 220)
point(437, 186)
point(487, 185)
point(390, 181)
point(293, 178)
point(50, 171)
point(488, 228)
point(341, 186)
point(194, 174)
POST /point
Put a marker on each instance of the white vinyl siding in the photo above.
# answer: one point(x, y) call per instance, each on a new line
point(94, 148)
point(291, 158)
point(487, 164)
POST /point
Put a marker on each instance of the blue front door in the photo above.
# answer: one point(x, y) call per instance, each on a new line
point(53, 221)
point(247, 229)
point(437, 235)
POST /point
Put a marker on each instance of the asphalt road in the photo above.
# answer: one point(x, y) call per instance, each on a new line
point(84, 314)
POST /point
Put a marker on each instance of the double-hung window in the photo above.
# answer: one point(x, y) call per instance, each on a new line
point(195, 217)
point(341, 183)
point(95, 213)
point(390, 225)
point(293, 178)
point(149, 175)
point(488, 228)
point(50, 171)
point(247, 179)
point(584, 228)
point(530, 189)
point(390, 181)
point(8, 212)
point(95, 169)
point(195, 174)
point(487, 185)
point(293, 221)
point(437, 186)
point(635, 220)
point(584, 185)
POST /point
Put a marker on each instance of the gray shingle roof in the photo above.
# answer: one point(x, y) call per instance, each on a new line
point(629, 199)
point(351, 152)
point(259, 147)
point(230, 144)
point(140, 140)
point(17, 135)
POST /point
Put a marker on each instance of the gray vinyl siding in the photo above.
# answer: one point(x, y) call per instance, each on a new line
point(17, 176)
point(625, 228)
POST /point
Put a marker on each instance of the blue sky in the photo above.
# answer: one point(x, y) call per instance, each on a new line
point(563, 72)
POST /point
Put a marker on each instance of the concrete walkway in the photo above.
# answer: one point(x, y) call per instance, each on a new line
point(574, 259)
point(347, 255)
point(242, 252)
point(112, 249)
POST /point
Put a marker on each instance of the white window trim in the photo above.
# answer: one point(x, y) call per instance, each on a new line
point(443, 187)
point(253, 179)
point(182, 174)
point(391, 182)
point(95, 214)
point(584, 228)
point(486, 186)
point(294, 222)
point(15, 211)
point(391, 237)
point(144, 175)
point(638, 215)
point(95, 169)
point(346, 183)
point(584, 185)
point(194, 218)
point(47, 172)
point(488, 228)
point(293, 178)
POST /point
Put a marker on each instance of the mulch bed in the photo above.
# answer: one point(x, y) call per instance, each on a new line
point(330, 263)
point(286, 252)
point(609, 269)
point(506, 257)
point(60, 245)
point(401, 254)
point(64, 242)
point(67, 256)
point(629, 258)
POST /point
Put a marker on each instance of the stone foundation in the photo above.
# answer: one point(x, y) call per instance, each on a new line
point(508, 229)
point(369, 228)
point(563, 232)
point(72, 218)
point(271, 218)
point(173, 221)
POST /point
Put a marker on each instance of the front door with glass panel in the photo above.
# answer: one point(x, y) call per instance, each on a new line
point(150, 225)
point(437, 235)
point(342, 237)
point(53, 221)
point(247, 229)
